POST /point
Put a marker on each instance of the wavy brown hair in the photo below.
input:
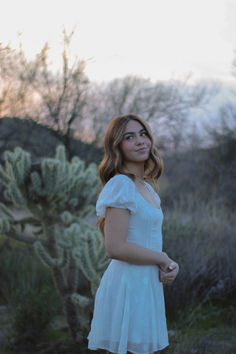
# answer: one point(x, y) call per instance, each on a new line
point(113, 161)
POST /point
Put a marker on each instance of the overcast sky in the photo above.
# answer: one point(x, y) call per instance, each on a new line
point(157, 39)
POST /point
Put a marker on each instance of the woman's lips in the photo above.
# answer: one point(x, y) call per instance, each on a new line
point(142, 150)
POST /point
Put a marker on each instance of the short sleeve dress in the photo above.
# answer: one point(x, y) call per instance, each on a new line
point(129, 309)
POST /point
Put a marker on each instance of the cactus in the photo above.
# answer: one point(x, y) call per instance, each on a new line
point(57, 195)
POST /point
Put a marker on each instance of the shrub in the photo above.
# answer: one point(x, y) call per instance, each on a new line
point(28, 291)
point(32, 312)
point(202, 242)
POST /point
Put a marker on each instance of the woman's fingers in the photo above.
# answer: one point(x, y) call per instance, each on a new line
point(161, 276)
point(168, 277)
point(173, 265)
point(169, 274)
point(169, 267)
point(164, 277)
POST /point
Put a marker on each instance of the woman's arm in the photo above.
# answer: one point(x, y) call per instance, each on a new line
point(116, 228)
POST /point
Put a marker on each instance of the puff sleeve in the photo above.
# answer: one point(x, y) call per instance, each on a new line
point(118, 192)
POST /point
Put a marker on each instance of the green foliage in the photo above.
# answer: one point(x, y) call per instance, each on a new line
point(5, 179)
point(212, 331)
point(15, 194)
point(6, 212)
point(21, 270)
point(32, 312)
point(60, 262)
point(4, 226)
point(90, 255)
point(57, 195)
point(28, 290)
point(81, 300)
point(58, 183)
point(66, 217)
point(32, 300)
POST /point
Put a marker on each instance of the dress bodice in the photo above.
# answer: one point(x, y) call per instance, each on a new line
point(145, 224)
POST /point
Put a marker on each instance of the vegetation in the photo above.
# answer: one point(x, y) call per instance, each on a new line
point(203, 243)
point(41, 141)
point(68, 103)
point(57, 196)
point(28, 291)
point(31, 89)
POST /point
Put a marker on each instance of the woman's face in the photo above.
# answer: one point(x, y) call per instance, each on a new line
point(136, 144)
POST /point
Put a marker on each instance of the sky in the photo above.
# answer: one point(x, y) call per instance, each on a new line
point(156, 39)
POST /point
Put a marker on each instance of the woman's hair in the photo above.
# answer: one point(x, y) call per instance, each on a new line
point(113, 161)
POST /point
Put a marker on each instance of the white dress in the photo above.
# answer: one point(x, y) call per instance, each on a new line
point(129, 310)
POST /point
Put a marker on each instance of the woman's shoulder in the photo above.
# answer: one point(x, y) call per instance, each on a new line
point(118, 192)
point(120, 178)
point(119, 183)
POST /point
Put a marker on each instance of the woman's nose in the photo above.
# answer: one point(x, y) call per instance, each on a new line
point(139, 140)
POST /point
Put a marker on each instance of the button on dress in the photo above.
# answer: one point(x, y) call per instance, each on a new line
point(129, 309)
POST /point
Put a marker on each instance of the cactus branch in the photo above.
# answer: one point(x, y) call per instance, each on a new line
point(21, 238)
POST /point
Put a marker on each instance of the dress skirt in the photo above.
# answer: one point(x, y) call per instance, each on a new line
point(129, 312)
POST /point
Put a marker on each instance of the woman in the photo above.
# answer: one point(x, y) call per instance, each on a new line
point(129, 311)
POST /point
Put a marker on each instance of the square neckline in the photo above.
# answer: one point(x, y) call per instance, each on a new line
point(137, 191)
point(147, 184)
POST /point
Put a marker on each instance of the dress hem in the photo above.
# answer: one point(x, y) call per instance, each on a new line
point(128, 350)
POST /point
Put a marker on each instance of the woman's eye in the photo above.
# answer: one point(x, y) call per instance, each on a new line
point(143, 134)
point(130, 137)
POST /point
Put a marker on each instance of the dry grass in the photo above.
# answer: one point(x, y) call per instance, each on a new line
point(212, 341)
point(201, 238)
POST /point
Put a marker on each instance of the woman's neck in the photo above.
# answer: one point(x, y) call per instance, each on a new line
point(136, 169)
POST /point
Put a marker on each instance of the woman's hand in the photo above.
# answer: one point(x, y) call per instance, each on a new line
point(167, 276)
point(165, 263)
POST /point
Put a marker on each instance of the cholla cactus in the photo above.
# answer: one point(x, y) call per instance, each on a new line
point(58, 196)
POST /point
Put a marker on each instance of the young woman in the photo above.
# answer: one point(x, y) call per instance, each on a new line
point(129, 311)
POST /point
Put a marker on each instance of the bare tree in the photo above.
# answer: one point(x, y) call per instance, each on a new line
point(62, 95)
point(164, 105)
point(30, 88)
point(15, 94)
